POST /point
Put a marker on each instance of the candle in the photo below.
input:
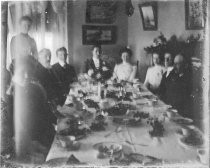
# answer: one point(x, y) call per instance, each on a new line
point(99, 90)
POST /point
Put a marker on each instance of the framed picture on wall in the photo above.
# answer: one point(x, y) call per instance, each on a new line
point(194, 14)
point(149, 16)
point(100, 11)
point(98, 34)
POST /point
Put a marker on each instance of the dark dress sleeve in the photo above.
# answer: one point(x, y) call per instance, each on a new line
point(162, 88)
point(74, 74)
point(34, 49)
point(107, 74)
point(86, 66)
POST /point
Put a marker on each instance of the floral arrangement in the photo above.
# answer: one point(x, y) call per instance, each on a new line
point(159, 44)
point(173, 45)
point(157, 128)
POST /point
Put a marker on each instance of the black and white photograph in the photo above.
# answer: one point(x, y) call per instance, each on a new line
point(105, 83)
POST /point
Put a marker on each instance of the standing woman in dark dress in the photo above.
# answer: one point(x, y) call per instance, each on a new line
point(23, 45)
point(95, 67)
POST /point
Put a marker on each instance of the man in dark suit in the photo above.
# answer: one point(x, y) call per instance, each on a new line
point(96, 68)
point(175, 88)
point(65, 74)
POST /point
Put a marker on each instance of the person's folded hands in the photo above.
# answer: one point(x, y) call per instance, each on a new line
point(90, 72)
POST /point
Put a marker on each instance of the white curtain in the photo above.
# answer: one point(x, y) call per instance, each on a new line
point(49, 28)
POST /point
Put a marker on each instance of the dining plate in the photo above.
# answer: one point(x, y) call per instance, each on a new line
point(107, 149)
point(57, 162)
point(194, 138)
point(144, 159)
point(120, 109)
point(182, 121)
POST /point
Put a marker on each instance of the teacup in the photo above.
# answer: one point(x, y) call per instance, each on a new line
point(135, 95)
point(203, 156)
point(68, 141)
point(153, 102)
point(135, 80)
point(170, 114)
point(104, 104)
point(185, 131)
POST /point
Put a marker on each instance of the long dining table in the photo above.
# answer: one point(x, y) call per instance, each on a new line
point(134, 139)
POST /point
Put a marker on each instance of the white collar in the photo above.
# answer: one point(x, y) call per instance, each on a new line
point(95, 59)
point(181, 74)
point(157, 66)
point(170, 68)
point(125, 63)
point(61, 63)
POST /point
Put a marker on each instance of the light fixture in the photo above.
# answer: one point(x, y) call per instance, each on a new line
point(129, 9)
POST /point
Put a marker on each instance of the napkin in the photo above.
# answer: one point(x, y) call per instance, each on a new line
point(73, 160)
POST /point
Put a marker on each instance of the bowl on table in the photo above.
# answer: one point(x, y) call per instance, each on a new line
point(152, 102)
point(135, 80)
point(192, 137)
point(111, 150)
point(182, 121)
point(171, 114)
point(69, 142)
point(104, 104)
point(185, 132)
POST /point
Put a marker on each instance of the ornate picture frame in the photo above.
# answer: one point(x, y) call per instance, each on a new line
point(149, 15)
point(194, 14)
point(100, 11)
point(98, 34)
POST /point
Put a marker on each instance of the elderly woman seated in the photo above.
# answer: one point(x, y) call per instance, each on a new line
point(125, 70)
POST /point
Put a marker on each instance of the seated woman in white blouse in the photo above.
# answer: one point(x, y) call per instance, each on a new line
point(154, 74)
point(125, 70)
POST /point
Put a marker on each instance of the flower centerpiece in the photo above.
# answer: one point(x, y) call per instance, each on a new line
point(159, 45)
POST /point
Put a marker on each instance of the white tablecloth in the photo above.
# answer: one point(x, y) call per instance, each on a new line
point(167, 147)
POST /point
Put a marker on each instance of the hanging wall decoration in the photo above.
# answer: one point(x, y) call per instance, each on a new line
point(129, 9)
point(100, 11)
point(194, 14)
point(98, 34)
point(149, 15)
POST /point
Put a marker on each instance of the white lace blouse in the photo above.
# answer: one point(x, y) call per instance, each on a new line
point(125, 71)
point(154, 76)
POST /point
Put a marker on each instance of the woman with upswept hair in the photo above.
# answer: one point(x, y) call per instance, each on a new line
point(125, 70)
